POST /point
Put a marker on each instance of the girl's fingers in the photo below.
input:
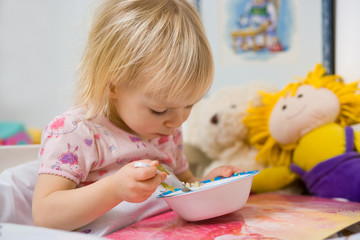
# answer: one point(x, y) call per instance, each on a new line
point(146, 172)
point(224, 171)
point(230, 170)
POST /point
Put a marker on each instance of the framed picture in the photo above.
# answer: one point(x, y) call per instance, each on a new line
point(268, 40)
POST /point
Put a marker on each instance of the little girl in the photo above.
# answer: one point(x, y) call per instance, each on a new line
point(145, 65)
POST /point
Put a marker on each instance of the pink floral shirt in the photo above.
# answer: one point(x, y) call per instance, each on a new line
point(85, 151)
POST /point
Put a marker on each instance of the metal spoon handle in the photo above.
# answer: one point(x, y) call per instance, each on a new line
point(171, 179)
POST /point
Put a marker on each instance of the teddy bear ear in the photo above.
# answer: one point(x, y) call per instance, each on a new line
point(257, 101)
point(263, 89)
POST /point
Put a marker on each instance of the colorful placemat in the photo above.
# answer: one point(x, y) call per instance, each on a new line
point(265, 216)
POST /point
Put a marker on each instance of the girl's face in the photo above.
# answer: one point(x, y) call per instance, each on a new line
point(149, 117)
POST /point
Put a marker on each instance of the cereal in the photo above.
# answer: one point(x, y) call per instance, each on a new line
point(193, 184)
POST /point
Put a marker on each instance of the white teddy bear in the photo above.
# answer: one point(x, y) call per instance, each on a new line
point(214, 134)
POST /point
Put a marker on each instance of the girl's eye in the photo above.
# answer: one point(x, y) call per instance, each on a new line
point(158, 113)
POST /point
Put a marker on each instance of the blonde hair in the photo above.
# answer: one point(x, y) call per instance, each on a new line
point(130, 39)
point(257, 119)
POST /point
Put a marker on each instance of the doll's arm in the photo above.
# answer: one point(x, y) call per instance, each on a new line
point(272, 179)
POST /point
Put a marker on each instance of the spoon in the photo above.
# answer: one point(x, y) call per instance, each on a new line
point(171, 179)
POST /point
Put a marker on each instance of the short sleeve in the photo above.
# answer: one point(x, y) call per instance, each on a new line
point(68, 148)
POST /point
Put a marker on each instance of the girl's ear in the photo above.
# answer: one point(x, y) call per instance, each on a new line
point(113, 94)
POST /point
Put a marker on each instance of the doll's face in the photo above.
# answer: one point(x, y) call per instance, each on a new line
point(294, 116)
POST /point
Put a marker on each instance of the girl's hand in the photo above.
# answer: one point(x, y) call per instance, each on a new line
point(136, 184)
point(224, 171)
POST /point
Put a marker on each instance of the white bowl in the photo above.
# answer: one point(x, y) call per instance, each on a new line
point(213, 198)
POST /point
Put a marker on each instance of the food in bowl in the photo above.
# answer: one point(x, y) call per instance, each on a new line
point(212, 198)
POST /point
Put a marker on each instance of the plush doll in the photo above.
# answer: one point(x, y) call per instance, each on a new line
point(305, 131)
point(214, 134)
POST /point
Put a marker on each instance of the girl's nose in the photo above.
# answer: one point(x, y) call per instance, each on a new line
point(176, 119)
point(174, 122)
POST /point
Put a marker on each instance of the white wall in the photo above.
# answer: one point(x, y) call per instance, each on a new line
point(347, 41)
point(40, 45)
point(41, 42)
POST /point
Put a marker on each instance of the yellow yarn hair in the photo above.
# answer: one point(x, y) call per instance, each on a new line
point(257, 119)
